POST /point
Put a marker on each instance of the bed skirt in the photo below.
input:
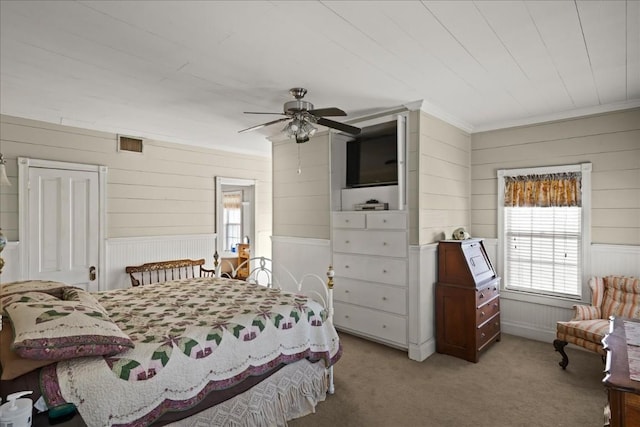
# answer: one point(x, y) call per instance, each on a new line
point(292, 392)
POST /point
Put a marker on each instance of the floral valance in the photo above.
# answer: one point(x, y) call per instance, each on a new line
point(555, 189)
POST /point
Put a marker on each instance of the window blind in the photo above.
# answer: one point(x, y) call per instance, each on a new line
point(542, 248)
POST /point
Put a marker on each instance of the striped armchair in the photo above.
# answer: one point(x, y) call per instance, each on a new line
point(610, 296)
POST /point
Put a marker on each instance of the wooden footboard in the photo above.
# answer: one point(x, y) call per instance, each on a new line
point(162, 271)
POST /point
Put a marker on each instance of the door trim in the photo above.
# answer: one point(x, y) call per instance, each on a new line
point(24, 163)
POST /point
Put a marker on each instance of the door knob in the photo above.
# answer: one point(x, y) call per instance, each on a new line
point(92, 273)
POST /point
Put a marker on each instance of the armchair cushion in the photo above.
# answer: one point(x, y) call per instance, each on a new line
point(621, 297)
point(585, 333)
point(586, 312)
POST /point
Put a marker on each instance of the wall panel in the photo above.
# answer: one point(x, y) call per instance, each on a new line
point(169, 189)
point(611, 142)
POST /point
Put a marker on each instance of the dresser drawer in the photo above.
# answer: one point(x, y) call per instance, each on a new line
point(349, 219)
point(371, 295)
point(386, 220)
point(487, 292)
point(385, 326)
point(374, 269)
point(487, 332)
point(385, 243)
point(485, 312)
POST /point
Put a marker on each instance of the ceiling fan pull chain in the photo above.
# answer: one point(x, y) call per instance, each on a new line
point(299, 166)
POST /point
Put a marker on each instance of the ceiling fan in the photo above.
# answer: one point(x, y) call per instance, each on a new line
point(302, 116)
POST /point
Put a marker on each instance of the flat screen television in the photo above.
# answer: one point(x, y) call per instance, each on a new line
point(372, 157)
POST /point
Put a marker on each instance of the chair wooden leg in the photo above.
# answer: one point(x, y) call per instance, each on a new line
point(559, 346)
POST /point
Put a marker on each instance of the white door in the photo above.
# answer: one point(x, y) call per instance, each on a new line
point(63, 224)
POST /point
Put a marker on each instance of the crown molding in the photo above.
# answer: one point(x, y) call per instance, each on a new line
point(427, 107)
point(561, 115)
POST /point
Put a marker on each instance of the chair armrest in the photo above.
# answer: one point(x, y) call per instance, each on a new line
point(586, 312)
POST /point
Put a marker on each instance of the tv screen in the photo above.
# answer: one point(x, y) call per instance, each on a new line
point(372, 157)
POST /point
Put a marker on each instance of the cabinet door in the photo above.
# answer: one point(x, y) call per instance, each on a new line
point(385, 243)
point(379, 297)
point(374, 269)
point(386, 220)
point(384, 326)
point(349, 219)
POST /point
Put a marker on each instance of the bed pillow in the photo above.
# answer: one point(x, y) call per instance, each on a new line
point(13, 365)
point(46, 286)
point(64, 330)
point(82, 296)
point(24, 297)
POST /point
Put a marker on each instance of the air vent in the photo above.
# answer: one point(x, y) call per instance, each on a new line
point(128, 143)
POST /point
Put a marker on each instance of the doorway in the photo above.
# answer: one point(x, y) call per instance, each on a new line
point(62, 216)
point(235, 215)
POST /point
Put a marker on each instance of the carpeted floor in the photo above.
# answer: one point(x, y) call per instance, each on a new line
point(517, 382)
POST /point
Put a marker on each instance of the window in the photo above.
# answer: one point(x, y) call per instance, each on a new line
point(232, 218)
point(543, 226)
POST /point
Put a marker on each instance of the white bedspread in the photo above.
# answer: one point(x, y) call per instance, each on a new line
point(192, 337)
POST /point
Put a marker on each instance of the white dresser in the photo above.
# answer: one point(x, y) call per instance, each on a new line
point(370, 259)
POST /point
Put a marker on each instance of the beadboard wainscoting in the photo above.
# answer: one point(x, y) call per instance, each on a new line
point(536, 319)
point(124, 251)
point(300, 256)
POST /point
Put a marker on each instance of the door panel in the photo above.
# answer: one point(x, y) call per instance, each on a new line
point(63, 225)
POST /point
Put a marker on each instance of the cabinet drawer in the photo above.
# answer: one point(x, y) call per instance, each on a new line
point(385, 243)
point(487, 311)
point(487, 332)
point(385, 326)
point(371, 295)
point(487, 292)
point(374, 269)
point(387, 220)
point(349, 219)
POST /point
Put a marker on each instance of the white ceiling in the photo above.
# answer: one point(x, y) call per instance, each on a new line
point(184, 71)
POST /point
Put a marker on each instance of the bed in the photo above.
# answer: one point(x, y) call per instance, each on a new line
point(194, 351)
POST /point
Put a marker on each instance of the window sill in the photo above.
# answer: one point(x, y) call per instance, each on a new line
point(547, 300)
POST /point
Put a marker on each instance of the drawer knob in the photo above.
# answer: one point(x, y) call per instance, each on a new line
point(481, 313)
point(346, 220)
point(384, 298)
point(482, 335)
point(384, 326)
point(481, 295)
point(384, 220)
point(384, 243)
point(346, 266)
point(384, 271)
point(346, 241)
point(346, 291)
point(495, 304)
point(346, 316)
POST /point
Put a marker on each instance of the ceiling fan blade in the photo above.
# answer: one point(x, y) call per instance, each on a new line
point(332, 111)
point(339, 126)
point(263, 125)
point(258, 112)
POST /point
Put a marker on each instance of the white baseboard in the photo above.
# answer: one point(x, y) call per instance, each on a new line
point(420, 352)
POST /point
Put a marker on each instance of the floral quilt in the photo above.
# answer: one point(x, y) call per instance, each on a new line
point(191, 337)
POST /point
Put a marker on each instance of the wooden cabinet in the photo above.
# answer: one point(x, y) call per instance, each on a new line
point(467, 299)
point(244, 253)
point(370, 263)
point(624, 393)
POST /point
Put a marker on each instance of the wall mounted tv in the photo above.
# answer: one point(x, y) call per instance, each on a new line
point(372, 157)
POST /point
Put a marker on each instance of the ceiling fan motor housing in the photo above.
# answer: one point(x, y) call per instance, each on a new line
point(298, 105)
